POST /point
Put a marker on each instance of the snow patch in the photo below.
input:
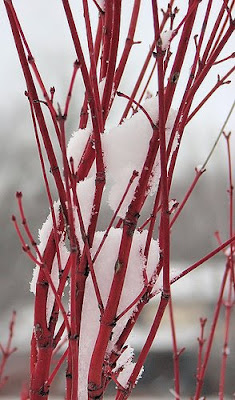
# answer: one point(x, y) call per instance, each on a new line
point(43, 236)
point(77, 144)
point(85, 194)
point(101, 87)
point(64, 255)
point(125, 366)
point(166, 38)
point(135, 134)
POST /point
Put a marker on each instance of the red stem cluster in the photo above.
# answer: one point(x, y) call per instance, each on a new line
point(103, 64)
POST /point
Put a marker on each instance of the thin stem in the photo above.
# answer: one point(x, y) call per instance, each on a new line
point(164, 223)
point(148, 343)
point(134, 175)
point(220, 33)
point(116, 20)
point(187, 195)
point(230, 259)
point(230, 191)
point(220, 82)
point(202, 260)
point(176, 353)
point(71, 86)
point(75, 255)
point(48, 191)
point(138, 82)
point(128, 45)
point(145, 66)
point(218, 137)
point(93, 75)
point(153, 125)
point(7, 350)
point(86, 245)
point(226, 351)
point(201, 343)
point(148, 82)
point(57, 368)
point(200, 377)
point(213, 33)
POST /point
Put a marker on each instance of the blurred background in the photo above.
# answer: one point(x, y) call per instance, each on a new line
point(192, 236)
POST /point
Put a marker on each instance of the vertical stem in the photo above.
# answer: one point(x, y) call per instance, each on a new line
point(164, 224)
point(230, 191)
point(179, 58)
point(175, 353)
point(225, 354)
point(116, 19)
point(128, 45)
point(145, 350)
point(230, 259)
point(75, 252)
point(201, 342)
point(107, 37)
point(201, 376)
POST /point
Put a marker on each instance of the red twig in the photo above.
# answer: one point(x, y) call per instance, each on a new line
point(145, 350)
point(7, 350)
point(220, 82)
point(201, 343)
point(164, 238)
point(202, 260)
point(231, 197)
point(128, 45)
point(201, 375)
point(188, 194)
point(176, 353)
point(69, 95)
point(229, 302)
point(134, 175)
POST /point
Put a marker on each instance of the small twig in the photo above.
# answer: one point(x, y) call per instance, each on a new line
point(201, 375)
point(201, 342)
point(202, 260)
point(153, 125)
point(225, 59)
point(219, 136)
point(176, 353)
point(7, 351)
